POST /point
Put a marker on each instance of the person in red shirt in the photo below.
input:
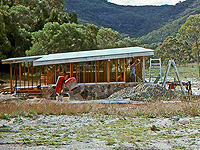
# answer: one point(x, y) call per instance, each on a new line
point(120, 78)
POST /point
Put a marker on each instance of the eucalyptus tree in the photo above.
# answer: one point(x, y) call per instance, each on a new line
point(56, 38)
point(174, 48)
point(4, 42)
point(191, 32)
point(107, 38)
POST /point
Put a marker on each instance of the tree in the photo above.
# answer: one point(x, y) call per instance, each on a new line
point(22, 16)
point(73, 17)
point(191, 31)
point(127, 42)
point(54, 38)
point(107, 38)
point(4, 42)
point(174, 48)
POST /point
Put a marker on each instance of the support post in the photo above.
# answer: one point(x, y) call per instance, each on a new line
point(10, 78)
point(116, 69)
point(20, 74)
point(87, 72)
point(28, 74)
point(32, 75)
point(71, 70)
point(65, 68)
point(91, 72)
point(79, 73)
point(124, 66)
point(45, 74)
point(104, 70)
point(55, 73)
point(95, 71)
point(15, 76)
point(40, 75)
point(108, 71)
point(143, 68)
point(84, 73)
point(24, 74)
point(36, 71)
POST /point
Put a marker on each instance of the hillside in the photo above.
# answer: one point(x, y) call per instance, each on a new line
point(154, 23)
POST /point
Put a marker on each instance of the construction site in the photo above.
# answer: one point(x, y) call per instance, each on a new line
point(93, 75)
point(105, 99)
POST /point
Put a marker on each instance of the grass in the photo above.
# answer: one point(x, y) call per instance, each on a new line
point(131, 125)
point(191, 71)
point(150, 110)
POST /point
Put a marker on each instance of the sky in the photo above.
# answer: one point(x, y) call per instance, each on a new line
point(144, 2)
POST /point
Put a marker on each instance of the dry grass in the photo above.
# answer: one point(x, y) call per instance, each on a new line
point(153, 109)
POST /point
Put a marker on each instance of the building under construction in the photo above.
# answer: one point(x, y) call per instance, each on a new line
point(92, 66)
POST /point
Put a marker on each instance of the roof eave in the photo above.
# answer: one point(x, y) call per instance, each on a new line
point(86, 59)
point(19, 60)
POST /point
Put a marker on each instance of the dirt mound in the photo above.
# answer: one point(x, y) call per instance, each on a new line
point(144, 92)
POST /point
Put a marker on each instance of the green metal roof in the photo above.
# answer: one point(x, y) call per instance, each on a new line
point(82, 56)
point(93, 55)
point(21, 59)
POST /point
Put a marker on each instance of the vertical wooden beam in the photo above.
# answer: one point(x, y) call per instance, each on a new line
point(124, 67)
point(32, 75)
point(40, 75)
point(91, 71)
point(143, 68)
point(71, 70)
point(46, 77)
point(55, 73)
point(120, 64)
point(15, 75)
point(65, 68)
point(104, 70)
point(116, 61)
point(88, 72)
point(20, 74)
point(79, 73)
point(108, 71)
point(24, 74)
point(28, 74)
point(96, 72)
point(36, 71)
point(84, 73)
point(10, 78)
point(58, 70)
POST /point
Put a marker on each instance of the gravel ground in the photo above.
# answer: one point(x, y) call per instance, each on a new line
point(95, 131)
point(91, 131)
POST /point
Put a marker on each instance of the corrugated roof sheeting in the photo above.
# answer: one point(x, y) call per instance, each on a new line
point(82, 56)
point(21, 59)
point(93, 55)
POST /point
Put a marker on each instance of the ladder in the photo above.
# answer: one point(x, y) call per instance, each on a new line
point(171, 62)
point(155, 70)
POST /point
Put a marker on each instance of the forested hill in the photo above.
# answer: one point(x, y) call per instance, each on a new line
point(154, 23)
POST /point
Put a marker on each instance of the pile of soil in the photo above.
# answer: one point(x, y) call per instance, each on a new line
point(145, 92)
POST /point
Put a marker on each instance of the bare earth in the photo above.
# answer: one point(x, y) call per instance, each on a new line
point(98, 131)
point(91, 131)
